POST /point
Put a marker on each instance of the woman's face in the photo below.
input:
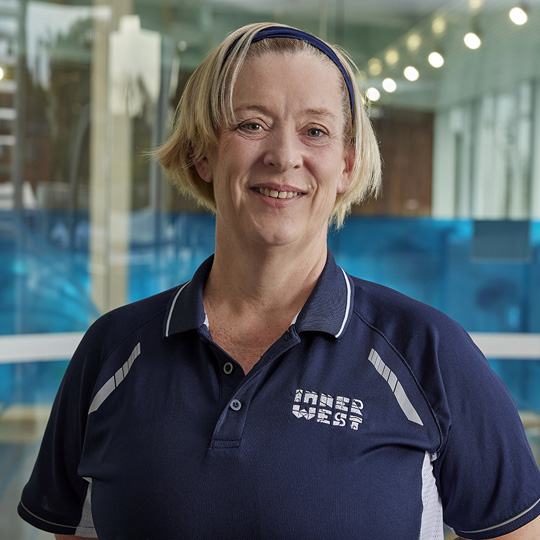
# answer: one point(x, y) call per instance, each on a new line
point(276, 172)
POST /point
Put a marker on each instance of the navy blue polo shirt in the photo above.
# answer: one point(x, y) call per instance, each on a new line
point(373, 417)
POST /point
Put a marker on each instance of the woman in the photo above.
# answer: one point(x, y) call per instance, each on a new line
point(275, 396)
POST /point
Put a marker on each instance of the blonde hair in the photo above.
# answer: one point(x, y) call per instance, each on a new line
point(206, 107)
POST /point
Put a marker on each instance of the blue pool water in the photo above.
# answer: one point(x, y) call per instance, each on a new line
point(45, 282)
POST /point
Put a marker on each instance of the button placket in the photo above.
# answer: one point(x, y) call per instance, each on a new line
point(229, 429)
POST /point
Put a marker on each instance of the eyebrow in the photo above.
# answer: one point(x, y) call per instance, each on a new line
point(325, 113)
point(321, 112)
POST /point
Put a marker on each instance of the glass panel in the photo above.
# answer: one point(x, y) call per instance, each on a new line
point(87, 222)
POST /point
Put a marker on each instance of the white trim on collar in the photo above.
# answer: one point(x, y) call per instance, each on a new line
point(348, 306)
point(295, 317)
point(171, 310)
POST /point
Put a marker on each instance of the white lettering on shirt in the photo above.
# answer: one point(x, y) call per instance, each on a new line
point(339, 411)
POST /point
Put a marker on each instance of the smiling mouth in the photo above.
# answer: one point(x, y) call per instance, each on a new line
point(277, 194)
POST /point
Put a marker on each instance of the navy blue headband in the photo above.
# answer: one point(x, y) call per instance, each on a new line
point(293, 33)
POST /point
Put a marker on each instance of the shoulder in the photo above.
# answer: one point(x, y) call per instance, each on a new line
point(399, 317)
point(439, 353)
point(112, 329)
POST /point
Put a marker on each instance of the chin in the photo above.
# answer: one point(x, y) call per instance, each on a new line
point(287, 232)
point(282, 236)
point(279, 241)
point(289, 237)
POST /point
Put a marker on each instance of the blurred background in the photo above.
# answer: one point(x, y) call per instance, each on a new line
point(87, 222)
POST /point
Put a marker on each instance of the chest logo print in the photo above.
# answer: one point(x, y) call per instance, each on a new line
point(337, 411)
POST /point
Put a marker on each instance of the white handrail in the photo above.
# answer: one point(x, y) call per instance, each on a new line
point(60, 346)
point(38, 347)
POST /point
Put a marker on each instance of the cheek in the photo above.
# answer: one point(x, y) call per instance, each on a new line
point(237, 161)
point(331, 176)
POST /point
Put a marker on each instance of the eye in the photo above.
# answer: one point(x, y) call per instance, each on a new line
point(250, 126)
point(315, 133)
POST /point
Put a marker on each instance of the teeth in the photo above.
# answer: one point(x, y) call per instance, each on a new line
point(278, 194)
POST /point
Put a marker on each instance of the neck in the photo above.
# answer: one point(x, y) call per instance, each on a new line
point(275, 280)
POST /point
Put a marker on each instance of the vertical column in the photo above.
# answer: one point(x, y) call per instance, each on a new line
point(19, 98)
point(99, 159)
point(452, 163)
point(535, 156)
point(488, 164)
point(520, 154)
point(323, 19)
point(462, 127)
point(444, 170)
point(110, 170)
point(121, 183)
point(120, 209)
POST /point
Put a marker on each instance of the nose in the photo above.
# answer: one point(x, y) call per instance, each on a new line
point(283, 151)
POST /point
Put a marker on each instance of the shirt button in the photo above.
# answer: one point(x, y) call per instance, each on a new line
point(235, 405)
point(228, 368)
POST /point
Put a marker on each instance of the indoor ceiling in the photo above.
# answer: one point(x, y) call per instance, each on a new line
point(374, 9)
point(368, 29)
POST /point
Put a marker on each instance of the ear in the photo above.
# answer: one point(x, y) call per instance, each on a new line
point(348, 163)
point(204, 170)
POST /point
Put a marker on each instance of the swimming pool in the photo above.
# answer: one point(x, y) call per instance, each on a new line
point(45, 283)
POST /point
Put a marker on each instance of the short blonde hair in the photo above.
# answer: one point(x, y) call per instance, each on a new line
point(206, 107)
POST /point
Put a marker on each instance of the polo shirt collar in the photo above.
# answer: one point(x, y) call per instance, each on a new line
point(186, 309)
point(328, 308)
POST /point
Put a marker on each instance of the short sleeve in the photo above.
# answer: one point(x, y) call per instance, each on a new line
point(487, 475)
point(55, 498)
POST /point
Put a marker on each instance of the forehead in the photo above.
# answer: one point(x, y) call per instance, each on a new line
point(304, 78)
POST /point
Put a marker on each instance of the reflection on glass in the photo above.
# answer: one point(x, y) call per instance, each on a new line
point(413, 42)
point(77, 116)
point(472, 40)
point(411, 73)
point(518, 16)
point(438, 25)
point(375, 66)
point(373, 94)
point(391, 57)
point(389, 85)
point(436, 59)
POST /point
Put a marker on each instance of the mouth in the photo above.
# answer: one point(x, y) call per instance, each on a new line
point(275, 194)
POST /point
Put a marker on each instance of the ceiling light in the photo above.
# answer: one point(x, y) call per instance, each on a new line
point(1, 73)
point(413, 42)
point(411, 73)
point(391, 57)
point(472, 40)
point(436, 59)
point(475, 5)
point(375, 66)
point(389, 85)
point(518, 15)
point(373, 94)
point(438, 26)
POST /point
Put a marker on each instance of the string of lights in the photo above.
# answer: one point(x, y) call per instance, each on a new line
point(384, 74)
